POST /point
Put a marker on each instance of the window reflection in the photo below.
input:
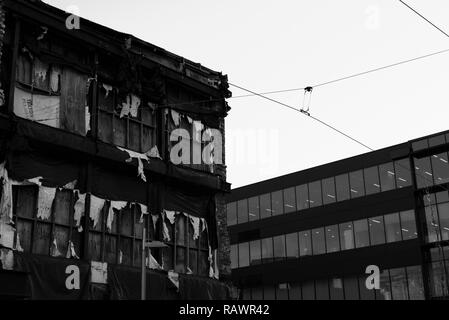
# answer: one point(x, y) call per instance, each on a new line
point(315, 194)
point(243, 255)
point(256, 253)
point(387, 177)
point(440, 165)
point(289, 200)
point(433, 225)
point(361, 233)
point(318, 241)
point(336, 289)
point(242, 209)
point(377, 230)
point(372, 183)
point(342, 183)
point(253, 209)
point(424, 175)
point(329, 194)
point(443, 212)
point(357, 184)
point(393, 228)
point(277, 204)
point(267, 250)
point(322, 289)
point(305, 243)
point(292, 245)
point(385, 288)
point(265, 206)
point(403, 173)
point(399, 284)
point(234, 257)
point(279, 247)
point(332, 239)
point(415, 283)
point(408, 224)
point(231, 210)
point(302, 197)
point(347, 236)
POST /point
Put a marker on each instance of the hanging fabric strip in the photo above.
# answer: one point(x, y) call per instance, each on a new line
point(45, 202)
point(96, 205)
point(117, 205)
point(80, 207)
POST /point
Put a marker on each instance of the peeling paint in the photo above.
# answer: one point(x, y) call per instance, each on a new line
point(190, 120)
point(87, 120)
point(96, 205)
point(189, 271)
point(216, 269)
point(80, 207)
point(7, 259)
point(45, 202)
point(120, 257)
point(117, 205)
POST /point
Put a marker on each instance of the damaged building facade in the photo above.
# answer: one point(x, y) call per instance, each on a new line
point(86, 144)
point(333, 231)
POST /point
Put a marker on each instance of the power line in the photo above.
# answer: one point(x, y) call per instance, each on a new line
point(419, 14)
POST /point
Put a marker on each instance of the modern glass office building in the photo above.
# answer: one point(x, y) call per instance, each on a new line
point(311, 235)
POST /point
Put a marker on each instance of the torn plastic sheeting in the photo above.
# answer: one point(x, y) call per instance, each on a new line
point(154, 265)
point(131, 106)
point(108, 88)
point(171, 216)
point(70, 185)
point(55, 77)
point(196, 226)
point(155, 219)
point(140, 170)
point(99, 272)
point(190, 120)
point(165, 231)
point(71, 253)
point(143, 211)
point(120, 257)
point(176, 117)
point(7, 233)
point(7, 259)
point(54, 249)
point(18, 247)
point(45, 202)
point(134, 154)
point(80, 207)
point(154, 153)
point(174, 278)
point(117, 205)
point(87, 120)
point(217, 271)
point(6, 206)
point(96, 205)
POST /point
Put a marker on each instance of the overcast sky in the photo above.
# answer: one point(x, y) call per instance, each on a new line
point(273, 45)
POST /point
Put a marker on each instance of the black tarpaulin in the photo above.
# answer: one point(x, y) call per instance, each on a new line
point(197, 288)
point(52, 278)
point(125, 284)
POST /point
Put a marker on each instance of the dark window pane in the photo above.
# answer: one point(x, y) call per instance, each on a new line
point(315, 194)
point(126, 251)
point(377, 230)
point(256, 253)
point(181, 260)
point(372, 183)
point(126, 225)
point(282, 292)
point(361, 233)
point(42, 235)
point(277, 203)
point(289, 200)
point(343, 188)
point(267, 250)
point(257, 293)
point(246, 293)
point(415, 283)
point(302, 197)
point(265, 206)
point(242, 211)
point(408, 224)
point(24, 232)
point(442, 197)
point(436, 141)
point(243, 255)
point(134, 136)
point(234, 257)
point(385, 287)
point(279, 247)
point(305, 243)
point(269, 293)
point(440, 165)
point(181, 233)
point(62, 207)
point(110, 249)
point(351, 286)
point(25, 204)
point(443, 212)
point(387, 177)
point(365, 294)
point(204, 266)
point(318, 241)
point(357, 184)
point(61, 235)
point(168, 258)
point(295, 291)
point(403, 173)
point(424, 175)
point(329, 194)
point(336, 289)
point(347, 236)
point(322, 289)
point(308, 290)
point(420, 145)
point(232, 213)
point(292, 246)
point(95, 248)
point(399, 284)
point(332, 239)
point(393, 228)
point(193, 261)
point(253, 209)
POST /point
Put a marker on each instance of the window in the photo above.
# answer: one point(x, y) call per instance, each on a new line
point(315, 194)
point(234, 256)
point(443, 211)
point(289, 200)
point(231, 210)
point(387, 177)
point(343, 189)
point(277, 203)
point(242, 209)
point(257, 293)
point(440, 165)
point(318, 241)
point(329, 194)
point(403, 173)
point(256, 253)
point(305, 243)
point(282, 291)
point(332, 239)
point(295, 291)
point(361, 233)
point(433, 225)
point(265, 206)
point(253, 209)
point(420, 145)
point(347, 236)
point(393, 228)
point(351, 286)
point(292, 246)
point(365, 294)
point(372, 183)
point(377, 230)
point(436, 141)
point(385, 287)
point(415, 283)
point(424, 174)
point(267, 250)
point(408, 224)
point(357, 184)
point(322, 289)
point(336, 289)
point(308, 290)
point(399, 288)
point(269, 293)
point(279, 247)
point(302, 197)
point(243, 255)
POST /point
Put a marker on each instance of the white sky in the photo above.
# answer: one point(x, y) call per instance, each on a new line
point(273, 45)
